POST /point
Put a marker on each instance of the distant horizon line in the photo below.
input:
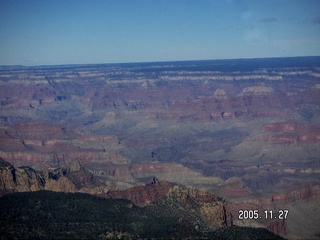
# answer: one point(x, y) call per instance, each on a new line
point(150, 62)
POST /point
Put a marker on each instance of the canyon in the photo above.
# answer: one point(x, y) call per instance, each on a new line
point(245, 130)
point(199, 205)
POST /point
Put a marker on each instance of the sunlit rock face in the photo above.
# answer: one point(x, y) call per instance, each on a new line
point(198, 207)
point(238, 127)
point(205, 206)
point(71, 178)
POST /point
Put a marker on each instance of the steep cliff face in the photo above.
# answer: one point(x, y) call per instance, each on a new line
point(27, 179)
point(74, 177)
point(7, 176)
point(210, 207)
point(19, 179)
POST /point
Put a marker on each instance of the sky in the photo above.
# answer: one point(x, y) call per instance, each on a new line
point(49, 32)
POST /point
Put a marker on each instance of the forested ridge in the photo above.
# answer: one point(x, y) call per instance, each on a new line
point(52, 215)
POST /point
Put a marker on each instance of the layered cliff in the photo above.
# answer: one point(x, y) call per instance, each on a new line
point(237, 128)
point(71, 178)
point(293, 132)
point(20, 179)
point(40, 144)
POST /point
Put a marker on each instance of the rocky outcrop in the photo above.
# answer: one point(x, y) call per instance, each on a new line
point(7, 176)
point(257, 90)
point(220, 93)
point(20, 179)
point(63, 184)
point(210, 207)
point(203, 204)
point(74, 177)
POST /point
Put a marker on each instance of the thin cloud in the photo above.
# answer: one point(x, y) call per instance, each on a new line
point(316, 20)
point(268, 20)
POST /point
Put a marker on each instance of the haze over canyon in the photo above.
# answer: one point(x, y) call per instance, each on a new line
point(246, 131)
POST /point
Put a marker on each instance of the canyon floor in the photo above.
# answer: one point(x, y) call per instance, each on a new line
point(245, 130)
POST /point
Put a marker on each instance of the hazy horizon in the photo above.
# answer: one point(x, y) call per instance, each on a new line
point(155, 62)
point(34, 33)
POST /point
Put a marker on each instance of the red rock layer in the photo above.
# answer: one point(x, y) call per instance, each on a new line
point(36, 130)
point(39, 143)
point(142, 195)
point(293, 132)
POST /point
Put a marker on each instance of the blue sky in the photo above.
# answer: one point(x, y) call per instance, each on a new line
point(41, 32)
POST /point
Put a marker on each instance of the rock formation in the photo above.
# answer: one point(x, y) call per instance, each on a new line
point(40, 144)
point(142, 195)
point(74, 177)
point(257, 90)
point(204, 205)
point(198, 123)
point(20, 179)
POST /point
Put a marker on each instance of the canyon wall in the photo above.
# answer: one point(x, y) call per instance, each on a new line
point(247, 130)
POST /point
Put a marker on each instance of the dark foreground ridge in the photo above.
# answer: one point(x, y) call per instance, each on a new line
point(51, 215)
